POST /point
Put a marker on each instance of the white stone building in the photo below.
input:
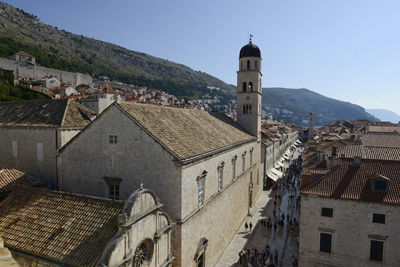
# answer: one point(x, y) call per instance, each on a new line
point(99, 102)
point(204, 166)
point(349, 216)
point(32, 132)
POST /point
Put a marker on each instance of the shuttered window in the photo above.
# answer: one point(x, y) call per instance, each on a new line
point(376, 253)
point(325, 244)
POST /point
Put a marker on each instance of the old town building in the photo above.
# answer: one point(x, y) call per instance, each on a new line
point(33, 131)
point(50, 228)
point(350, 214)
point(203, 165)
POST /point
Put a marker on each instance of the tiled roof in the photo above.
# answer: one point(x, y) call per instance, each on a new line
point(23, 53)
point(370, 152)
point(66, 228)
point(381, 140)
point(45, 113)
point(187, 132)
point(11, 177)
point(353, 182)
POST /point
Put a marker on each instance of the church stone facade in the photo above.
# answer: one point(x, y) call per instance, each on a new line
point(204, 167)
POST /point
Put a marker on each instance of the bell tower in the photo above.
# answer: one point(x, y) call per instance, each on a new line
point(249, 90)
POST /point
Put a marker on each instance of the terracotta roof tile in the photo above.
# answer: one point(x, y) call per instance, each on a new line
point(187, 132)
point(11, 177)
point(369, 152)
point(346, 181)
point(44, 113)
point(381, 140)
point(66, 228)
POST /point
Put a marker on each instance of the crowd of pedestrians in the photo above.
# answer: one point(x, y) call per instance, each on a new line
point(283, 217)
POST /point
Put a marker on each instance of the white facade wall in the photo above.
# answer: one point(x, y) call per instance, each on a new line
point(352, 230)
point(135, 159)
point(223, 210)
point(138, 158)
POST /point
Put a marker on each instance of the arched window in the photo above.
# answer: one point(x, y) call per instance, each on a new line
point(244, 87)
point(250, 87)
point(244, 109)
point(248, 64)
point(255, 64)
point(250, 109)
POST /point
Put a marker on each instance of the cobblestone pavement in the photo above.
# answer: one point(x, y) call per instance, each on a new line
point(284, 241)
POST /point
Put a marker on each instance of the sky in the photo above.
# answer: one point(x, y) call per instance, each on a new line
point(348, 50)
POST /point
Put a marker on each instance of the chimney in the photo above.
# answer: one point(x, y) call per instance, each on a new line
point(356, 161)
point(331, 162)
point(334, 151)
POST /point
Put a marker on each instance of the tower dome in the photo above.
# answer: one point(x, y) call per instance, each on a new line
point(250, 50)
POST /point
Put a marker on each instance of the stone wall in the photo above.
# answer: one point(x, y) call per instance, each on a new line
point(26, 159)
point(220, 217)
point(38, 72)
point(136, 158)
point(352, 229)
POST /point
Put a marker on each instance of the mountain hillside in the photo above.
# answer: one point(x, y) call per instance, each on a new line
point(60, 49)
point(294, 105)
point(385, 115)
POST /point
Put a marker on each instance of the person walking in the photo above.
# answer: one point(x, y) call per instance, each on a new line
point(246, 226)
point(276, 256)
point(251, 226)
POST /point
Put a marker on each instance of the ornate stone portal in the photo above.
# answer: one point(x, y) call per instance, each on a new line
point(144, 234)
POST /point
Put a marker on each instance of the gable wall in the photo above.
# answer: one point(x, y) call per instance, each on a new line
point(136, 158)
point(27, 161)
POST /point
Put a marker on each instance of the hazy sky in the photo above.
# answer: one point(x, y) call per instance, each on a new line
point(345, 49)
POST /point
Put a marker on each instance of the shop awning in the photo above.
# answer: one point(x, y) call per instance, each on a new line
point(277, 173)
point(272, 176)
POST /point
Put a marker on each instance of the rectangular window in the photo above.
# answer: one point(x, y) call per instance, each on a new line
point(201, 184)
point(243, 162)
point(15, 149)
point(376, 253)
point(327, 212)
point(325, 242)
point(233, 169)
point(39, 151)
point(112, 139)
point(378, 218)
point(220, 176)
point(113, 191)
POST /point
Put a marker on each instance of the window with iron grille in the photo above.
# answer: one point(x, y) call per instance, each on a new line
point(378, 218)
point(112, 139)
point(327, 212)
point(113, 191)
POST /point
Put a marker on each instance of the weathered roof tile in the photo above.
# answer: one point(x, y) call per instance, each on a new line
point(11, 177)
point(187, 132)
point(45, 113)
point(66, 228)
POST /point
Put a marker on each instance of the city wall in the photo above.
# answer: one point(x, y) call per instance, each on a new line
point(38, 72)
